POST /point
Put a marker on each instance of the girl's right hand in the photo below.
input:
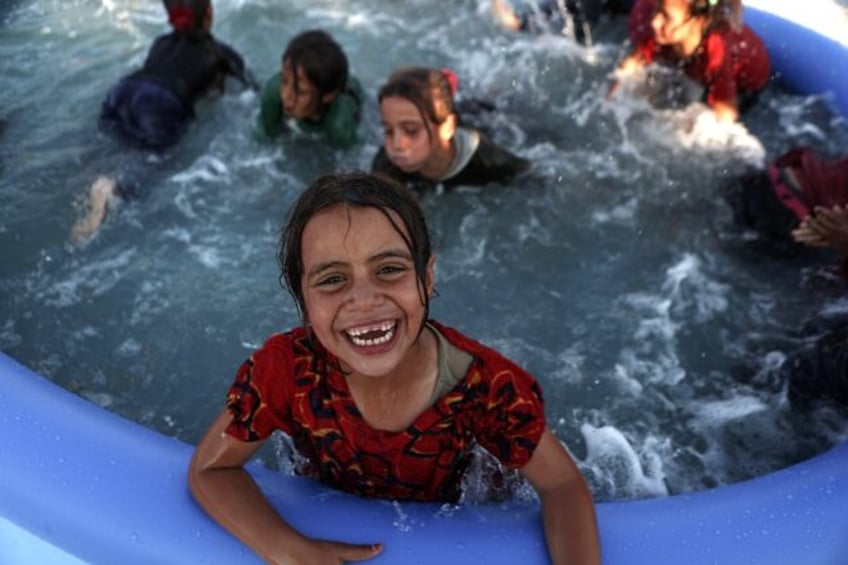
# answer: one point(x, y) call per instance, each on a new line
point(321, 552)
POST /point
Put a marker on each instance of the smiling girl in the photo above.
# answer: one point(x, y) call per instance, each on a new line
point(379, 400)
point(423, 142)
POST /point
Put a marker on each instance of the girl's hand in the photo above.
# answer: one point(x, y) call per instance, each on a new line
point(725, 112)
point(627, 67)
point(826, 227)
point(321, 552)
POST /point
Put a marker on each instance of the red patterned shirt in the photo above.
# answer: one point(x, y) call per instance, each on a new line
point(293, 384)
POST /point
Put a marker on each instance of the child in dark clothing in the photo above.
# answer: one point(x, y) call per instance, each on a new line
point(799, 197)
point(423, 141)
point(803, 198)
point(576, 18)
point(152, 107)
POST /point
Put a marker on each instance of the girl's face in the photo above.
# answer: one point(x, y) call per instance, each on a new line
point(300, 99)
point(673, 22)
point(408, 136)
point(361, 293)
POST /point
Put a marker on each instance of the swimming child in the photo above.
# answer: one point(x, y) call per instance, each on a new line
point(369, 380)
point(313, 92)
point(423, 142)
point(152, 107)
point(802, 197)
point(708, 40)
point(799, 196)
point(575, 18)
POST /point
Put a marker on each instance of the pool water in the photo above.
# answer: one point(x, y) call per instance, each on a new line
point(612, 272)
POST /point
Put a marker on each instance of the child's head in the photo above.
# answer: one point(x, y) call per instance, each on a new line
point(314, 72)
point(189, 14)
point(344, 200)
point(418, 115)
point(676, 20)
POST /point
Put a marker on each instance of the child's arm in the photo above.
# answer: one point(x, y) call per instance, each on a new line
point(628, 66)
point(568, 512)
point(221, 485)
point(725, 111)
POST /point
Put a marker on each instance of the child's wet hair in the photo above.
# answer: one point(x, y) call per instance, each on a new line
point(360, 190)
point(429, 90)
point(321, 58)
point(718, 11)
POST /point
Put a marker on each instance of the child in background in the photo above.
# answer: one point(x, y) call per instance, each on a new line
point(799, 196)
point(369, 379)
point(803, 198)
point(423, 142)
point(575, 18)
point(708, 40)
point(153, 107)
point(313, 92)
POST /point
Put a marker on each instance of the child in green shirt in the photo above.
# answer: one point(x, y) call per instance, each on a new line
point(313, 93)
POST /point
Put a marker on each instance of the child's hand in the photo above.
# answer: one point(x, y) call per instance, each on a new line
point(626, 68)
point(320, 552)
point(725, 112)
point(826, 227)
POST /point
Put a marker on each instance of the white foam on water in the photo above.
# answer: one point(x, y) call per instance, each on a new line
point(615, 463)
point(87, 279)
point(714, 413)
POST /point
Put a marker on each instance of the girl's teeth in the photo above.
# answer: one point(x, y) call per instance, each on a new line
point(377, 335)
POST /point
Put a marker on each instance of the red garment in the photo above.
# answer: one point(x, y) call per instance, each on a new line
point(726, 62)
point(817, 182)
point(292, 384)
point(639, 21)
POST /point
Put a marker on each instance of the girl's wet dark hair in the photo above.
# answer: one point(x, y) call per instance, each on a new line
point(429, 90)
point(361, 190)
point(321, 58)
point(718, 11)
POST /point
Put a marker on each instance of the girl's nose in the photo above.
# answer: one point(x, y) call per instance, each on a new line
point(363, 294)
point(398, 141)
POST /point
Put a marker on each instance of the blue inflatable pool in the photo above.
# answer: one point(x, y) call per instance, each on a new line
point(82, 485)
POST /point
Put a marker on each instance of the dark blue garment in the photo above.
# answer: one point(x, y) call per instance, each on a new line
point(539, 15)
point(145, 113)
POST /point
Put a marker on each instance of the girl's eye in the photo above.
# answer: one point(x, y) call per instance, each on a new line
point(412, 132)
point(332, 280)
point(390, 270)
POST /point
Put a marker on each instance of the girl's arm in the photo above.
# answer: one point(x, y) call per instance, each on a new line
point(227, 492)
point(628, 66)
point(725, 111)
point(568, 512)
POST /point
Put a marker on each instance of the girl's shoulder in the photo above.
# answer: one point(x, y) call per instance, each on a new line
point(488, 359)
point(490, 162)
